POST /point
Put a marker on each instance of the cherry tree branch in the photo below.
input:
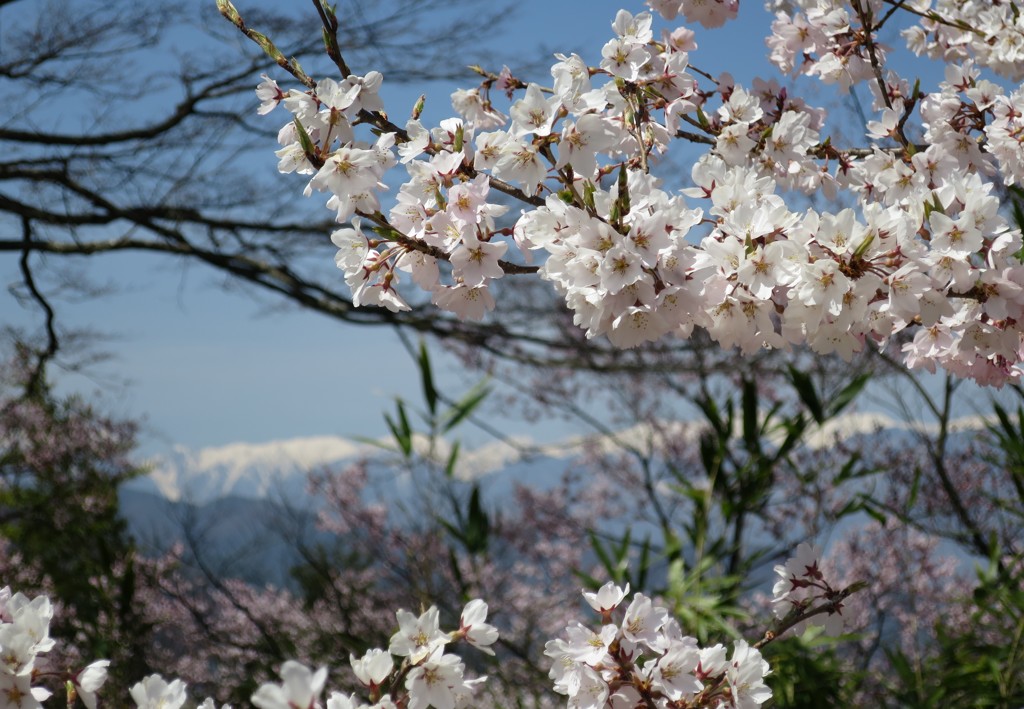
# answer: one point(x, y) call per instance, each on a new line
point(829, 606)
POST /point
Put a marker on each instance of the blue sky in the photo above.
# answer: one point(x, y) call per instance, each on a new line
point(206, 366)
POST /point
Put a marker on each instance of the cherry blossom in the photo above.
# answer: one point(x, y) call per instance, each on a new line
point(645, 660)
point(435, 682)
point(300, 688)
point(925, 241)
point(373, 667)
point(801, 586)
point(154, 692)
point(89, 681)
point(475, 629)
point(607, 598)
point(417, 636)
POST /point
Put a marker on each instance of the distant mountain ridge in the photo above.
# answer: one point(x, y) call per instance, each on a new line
point(246, 504)
point(256, 470)
point(279, 469)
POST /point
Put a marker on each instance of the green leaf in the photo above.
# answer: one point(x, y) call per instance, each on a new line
point(643, 564)
point(623, 192)
point(427, 379)
point(598, 548)
point(478, 524)
point(622, 551)
point(710, 456)
point(862, 248)
point(805, 390)
point(588, 580)
point(795, 429)
point(1020, 426)
point(850, 471)
point(673, 547)
point(453, 564)
point(453, 456)
point(696, 494)
point(702, 119)
point(1018, 210)
point(851, 507)
point(750, 429)
point(848, 393)
point(400, 429)
point(1004, 421)
point(676, 578)
point(452, 529)
point(460, 136)
point(872, 510)
point(766, 423)
point(588, 195)
point(373, 441)
point(721, 425)
point(304, 141)
point(915, 488)
point(465, 406)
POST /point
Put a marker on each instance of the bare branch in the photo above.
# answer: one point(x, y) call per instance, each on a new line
point(36, 379)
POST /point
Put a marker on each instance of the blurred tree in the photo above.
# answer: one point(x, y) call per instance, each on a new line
point(61, 464)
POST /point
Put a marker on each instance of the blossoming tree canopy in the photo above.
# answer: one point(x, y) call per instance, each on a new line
point(915, 237)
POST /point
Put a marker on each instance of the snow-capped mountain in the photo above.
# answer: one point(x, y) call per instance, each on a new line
point(256, 470)
point(278, 469)
point(246, 506)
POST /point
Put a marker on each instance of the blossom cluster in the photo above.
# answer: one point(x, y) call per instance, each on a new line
point(991, 32)
point(639, 655)
point(801, 586)
point(24, 635)
point(820, 35)
point(425, 676)
point(919, 240)
point(644, 659)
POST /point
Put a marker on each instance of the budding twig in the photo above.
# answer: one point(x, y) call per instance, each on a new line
point(290, 65)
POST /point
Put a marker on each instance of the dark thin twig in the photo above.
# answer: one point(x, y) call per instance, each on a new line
point(865, 17)
point(33, 386)
point(933, 16)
